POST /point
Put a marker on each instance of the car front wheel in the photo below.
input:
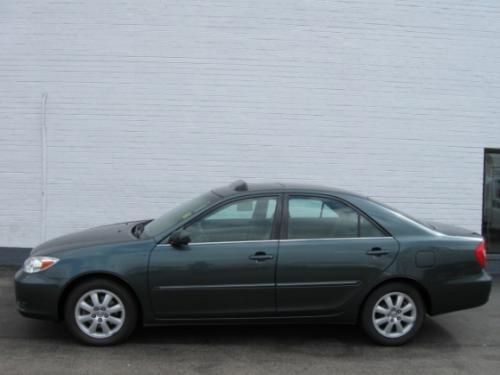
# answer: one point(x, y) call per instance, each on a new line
point(393, 314)
point(100, 312)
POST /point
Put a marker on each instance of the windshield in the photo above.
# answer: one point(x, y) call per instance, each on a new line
point(179, 214)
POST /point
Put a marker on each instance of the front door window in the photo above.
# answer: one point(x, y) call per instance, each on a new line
point(245, 220)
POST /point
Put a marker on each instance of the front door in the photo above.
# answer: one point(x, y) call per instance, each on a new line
point(330, 252)
point(228, 268)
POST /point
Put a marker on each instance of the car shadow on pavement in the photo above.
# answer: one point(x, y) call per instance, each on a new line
point(280, 334)
point(288, 336)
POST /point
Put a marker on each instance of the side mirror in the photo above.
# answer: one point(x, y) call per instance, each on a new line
point(179, 238)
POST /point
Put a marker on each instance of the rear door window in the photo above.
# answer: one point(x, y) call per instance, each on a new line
point(315, 217)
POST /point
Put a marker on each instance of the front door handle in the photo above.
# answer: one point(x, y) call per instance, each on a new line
point(260, 256)
point(377, 251)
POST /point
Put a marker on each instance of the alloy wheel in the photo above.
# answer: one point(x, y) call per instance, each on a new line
point(394, 315)
point(99, 313)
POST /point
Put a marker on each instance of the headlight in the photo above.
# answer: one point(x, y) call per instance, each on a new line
point(37, 264)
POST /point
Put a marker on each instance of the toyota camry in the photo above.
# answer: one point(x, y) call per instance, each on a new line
point(257, 253)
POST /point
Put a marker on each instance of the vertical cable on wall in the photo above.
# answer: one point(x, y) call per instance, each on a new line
point(43, 212)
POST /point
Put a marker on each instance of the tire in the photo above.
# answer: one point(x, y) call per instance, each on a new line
point(394, 324)
point(107, 320)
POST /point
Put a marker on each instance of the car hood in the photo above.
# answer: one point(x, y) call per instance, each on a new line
point(102, 235)
point(452, 230)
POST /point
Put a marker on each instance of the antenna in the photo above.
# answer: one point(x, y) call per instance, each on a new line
point(239, 185)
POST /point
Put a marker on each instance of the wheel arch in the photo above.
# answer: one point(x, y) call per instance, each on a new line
point(401, 279)
point(96, 275)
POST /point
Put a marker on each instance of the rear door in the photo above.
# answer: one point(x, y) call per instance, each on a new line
point(329, 252)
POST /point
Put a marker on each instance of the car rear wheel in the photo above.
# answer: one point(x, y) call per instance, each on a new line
point(100, 312)
point(393, 314)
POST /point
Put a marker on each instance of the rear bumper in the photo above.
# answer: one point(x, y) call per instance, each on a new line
point(464, 293)
point(36, 296)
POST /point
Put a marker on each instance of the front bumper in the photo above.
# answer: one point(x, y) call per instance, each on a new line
point(459, 294)
point(37, 296)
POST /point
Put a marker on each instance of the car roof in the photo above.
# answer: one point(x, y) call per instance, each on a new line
point(241, 187)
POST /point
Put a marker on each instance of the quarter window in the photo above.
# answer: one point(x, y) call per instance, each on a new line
point(244, 220)
point(311, 217)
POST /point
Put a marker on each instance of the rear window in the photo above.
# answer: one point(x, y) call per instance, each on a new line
point(427, 225)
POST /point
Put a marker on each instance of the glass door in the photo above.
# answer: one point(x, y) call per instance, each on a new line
point(491, 200)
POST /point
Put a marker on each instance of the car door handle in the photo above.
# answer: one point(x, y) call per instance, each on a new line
point(260, 256)
point(377, 251)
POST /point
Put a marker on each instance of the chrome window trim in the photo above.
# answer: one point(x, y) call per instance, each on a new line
point(285, 240)
point(335, 238)
point(221, 242)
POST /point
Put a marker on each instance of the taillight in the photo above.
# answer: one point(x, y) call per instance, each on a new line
point(481, 254)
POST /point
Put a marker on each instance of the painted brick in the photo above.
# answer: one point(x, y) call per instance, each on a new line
point(152, 102)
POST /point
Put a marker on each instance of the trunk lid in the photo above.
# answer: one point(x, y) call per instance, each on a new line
point(452, 230)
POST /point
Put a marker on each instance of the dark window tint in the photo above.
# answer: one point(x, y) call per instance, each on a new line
point(367, 229)
point(310, 217)
point(244, 220)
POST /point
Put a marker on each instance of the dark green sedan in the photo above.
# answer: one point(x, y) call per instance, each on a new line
point(249, 253)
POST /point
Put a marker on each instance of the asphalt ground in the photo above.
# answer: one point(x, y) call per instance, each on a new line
point(465, 342)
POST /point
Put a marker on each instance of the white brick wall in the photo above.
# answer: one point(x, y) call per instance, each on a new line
point(151, 102)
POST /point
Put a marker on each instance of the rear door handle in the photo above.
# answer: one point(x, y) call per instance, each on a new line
point(377, 251)
point(260, 256)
